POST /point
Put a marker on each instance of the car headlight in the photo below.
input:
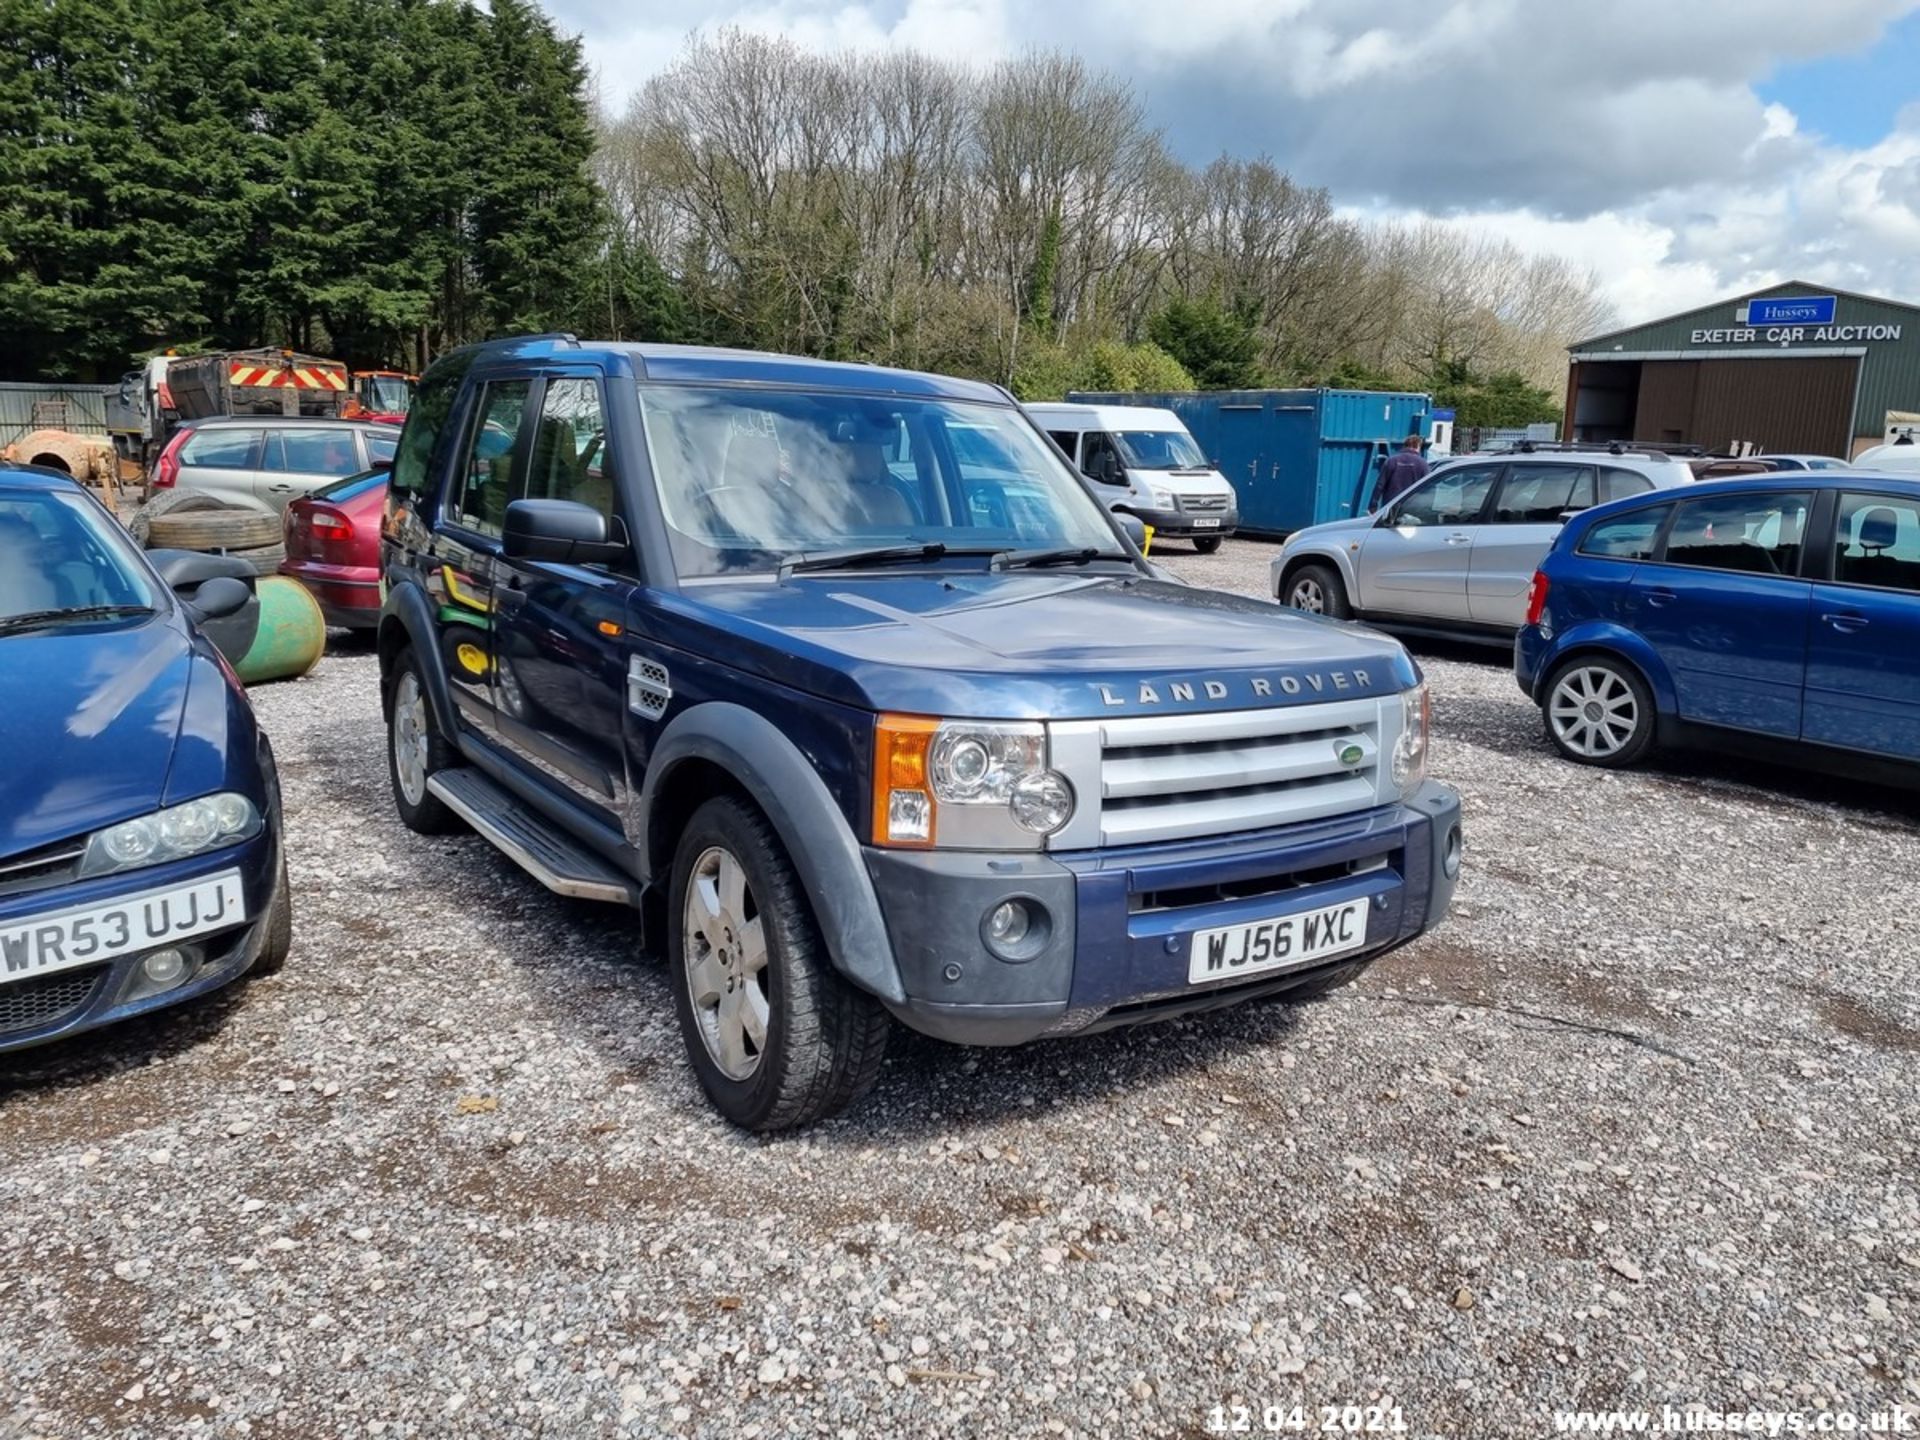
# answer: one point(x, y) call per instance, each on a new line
point(171, 834)
point(968, 784)
point(1162, 499)
point(1410, 750)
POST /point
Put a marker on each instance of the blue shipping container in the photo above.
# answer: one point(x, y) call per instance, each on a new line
point(1294, 457)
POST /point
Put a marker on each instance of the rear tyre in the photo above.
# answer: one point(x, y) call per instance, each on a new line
point(1206, 544)
point(1317, 590)
point(273, 953)
point(777, 1039)
point(415, 750)
point(1598, 711)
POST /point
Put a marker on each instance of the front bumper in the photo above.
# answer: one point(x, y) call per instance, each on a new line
point(36, 1010)
point(1180, 523)
point(1121, 922)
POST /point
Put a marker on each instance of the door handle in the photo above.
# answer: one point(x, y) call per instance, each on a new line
point(1459, 539)
point(281, 488)
point(1846, 621)
point(1659, 595)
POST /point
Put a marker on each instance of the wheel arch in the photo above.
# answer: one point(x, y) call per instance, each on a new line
point(721, 748)
point(1330, 560)
point(1622, 646)
point(406, 621)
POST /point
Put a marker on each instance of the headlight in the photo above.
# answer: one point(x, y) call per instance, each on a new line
point(171, 834)
point(969, 784)
point(1162, 499)
point(1410, 751)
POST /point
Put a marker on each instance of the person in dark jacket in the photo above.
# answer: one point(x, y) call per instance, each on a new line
point(1401, 471)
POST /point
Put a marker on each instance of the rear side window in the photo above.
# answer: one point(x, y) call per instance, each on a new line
point(226, 448)
point(1543, 494)
point(486, 477)
point(381, 448)
point(1621, 484)
point(1877, 542)
point(1750, 534)
point(1099, 446)
point(1067, 440)
point(1626, 537)
point(311, 452)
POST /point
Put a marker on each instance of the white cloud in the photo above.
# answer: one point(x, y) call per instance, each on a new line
point(1627, 136)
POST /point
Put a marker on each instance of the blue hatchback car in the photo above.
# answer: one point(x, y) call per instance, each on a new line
point(1779, 608)
point(140, 857)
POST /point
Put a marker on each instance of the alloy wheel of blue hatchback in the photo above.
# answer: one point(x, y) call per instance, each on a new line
point(1593, 711)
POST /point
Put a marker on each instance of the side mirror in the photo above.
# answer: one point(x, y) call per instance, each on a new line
point(1132, 527)
point(563, 531)
point(217, 598)
point(1108, 470)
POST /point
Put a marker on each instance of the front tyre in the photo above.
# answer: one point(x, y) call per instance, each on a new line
point(415, 750)
point(1206, 544)
point(279, 937)
point(1599, 711)
point(1317, 590)
point(777, 1039)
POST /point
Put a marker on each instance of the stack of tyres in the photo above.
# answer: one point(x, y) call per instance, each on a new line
point(192, 521)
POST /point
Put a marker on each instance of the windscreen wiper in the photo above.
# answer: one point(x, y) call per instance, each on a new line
point(34, 619)
point(1034, 559)
point(856, 558)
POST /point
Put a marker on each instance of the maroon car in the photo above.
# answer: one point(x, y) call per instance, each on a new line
point(333, 547)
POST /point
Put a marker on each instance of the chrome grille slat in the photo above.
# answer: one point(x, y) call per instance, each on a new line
point(1126, 773)
point(1191, 776)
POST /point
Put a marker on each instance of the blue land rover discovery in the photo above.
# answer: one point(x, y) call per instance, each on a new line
point(840, 678)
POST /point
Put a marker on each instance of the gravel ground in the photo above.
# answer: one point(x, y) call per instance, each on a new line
point(1635, 1127)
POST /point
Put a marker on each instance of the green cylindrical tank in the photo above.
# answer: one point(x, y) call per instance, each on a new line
point(291, 636)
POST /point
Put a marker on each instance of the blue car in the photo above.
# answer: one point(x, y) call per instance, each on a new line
point(1778, 609)
point(140, 856)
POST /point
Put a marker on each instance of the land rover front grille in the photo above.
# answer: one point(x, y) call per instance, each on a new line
point(31, 1004)
point(1180, 777)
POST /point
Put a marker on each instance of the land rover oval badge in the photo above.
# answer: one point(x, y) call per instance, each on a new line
point(1350, 753)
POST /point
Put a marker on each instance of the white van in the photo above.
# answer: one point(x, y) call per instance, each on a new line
point(1142, 461)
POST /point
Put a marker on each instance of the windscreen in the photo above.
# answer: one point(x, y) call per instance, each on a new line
point(750, 477)
point(1161, 450)
point(57, 552)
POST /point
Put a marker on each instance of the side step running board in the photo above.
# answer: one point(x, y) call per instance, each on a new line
point(551, 856)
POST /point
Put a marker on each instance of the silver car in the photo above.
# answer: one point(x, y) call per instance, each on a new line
point(264, 462)
point(1456, 554)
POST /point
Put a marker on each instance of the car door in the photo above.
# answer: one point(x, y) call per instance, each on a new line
point(1724, 604)
point(1415, 560)
point(220, 460)
point(1863, 633)
point(466, 544)
point(1530, 504)
point(560, 659)
point(296, 462)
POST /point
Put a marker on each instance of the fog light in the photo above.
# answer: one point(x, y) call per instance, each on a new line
point(1450, 857)
point(163, 967)
point(1008, 924)
point(1042, 803)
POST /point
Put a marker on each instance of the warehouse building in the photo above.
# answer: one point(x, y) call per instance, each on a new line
point(1793, 368)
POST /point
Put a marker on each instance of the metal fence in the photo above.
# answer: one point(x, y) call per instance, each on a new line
point(30, 406)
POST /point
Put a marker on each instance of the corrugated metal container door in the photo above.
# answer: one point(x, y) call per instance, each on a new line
point(1358, 427)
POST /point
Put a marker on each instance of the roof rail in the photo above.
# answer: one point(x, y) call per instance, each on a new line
point(1670, 450)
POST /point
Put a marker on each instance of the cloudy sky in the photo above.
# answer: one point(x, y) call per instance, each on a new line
point(1684, 149)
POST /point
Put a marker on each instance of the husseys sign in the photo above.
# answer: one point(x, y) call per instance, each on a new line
point(1791, 320)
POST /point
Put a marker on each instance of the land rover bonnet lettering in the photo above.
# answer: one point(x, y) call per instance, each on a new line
point(1258, 687)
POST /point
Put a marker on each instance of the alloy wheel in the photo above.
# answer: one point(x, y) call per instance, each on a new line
point(1308, 595)
point(1593, 712)
point(410, 738)
point(725, 963)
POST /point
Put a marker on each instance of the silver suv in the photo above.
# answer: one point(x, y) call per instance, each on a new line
point(1456, 554)
point(263, 462)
